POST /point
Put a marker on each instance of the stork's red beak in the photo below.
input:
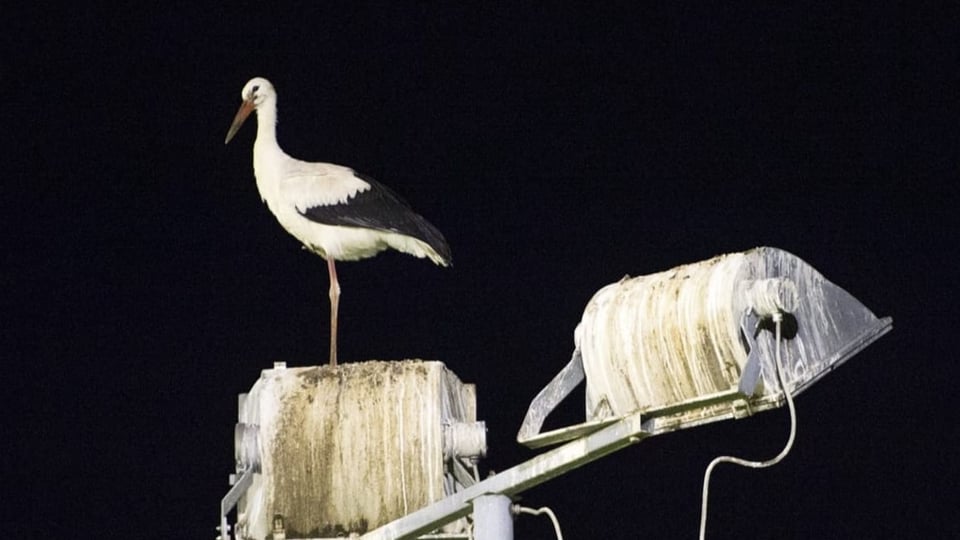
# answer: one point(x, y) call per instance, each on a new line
point(245, 109)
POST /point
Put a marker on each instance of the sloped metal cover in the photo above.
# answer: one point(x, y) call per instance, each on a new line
point(656, 341)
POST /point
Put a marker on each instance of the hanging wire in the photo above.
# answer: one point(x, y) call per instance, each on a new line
point(542, 510)
point(777, 319)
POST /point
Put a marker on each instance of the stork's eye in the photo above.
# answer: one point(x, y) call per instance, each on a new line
point(255, 88)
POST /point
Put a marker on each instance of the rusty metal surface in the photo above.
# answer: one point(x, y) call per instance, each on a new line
point(651, 341)
point(347, 449)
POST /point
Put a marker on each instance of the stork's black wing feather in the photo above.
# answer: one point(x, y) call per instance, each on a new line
point(381, 209)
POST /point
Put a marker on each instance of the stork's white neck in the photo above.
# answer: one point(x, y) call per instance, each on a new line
point(268, 157)
point(267, 123)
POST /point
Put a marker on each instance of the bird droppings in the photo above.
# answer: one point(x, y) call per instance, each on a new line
point(664, 338)
point(349, 448)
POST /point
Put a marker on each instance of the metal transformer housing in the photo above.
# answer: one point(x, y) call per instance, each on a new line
point(343, 450)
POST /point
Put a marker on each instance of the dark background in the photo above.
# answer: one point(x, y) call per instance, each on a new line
point(145, 285)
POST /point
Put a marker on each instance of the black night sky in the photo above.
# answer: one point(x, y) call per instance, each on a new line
point(558, 148)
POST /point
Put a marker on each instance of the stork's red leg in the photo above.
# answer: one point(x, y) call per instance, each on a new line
point(334, 308)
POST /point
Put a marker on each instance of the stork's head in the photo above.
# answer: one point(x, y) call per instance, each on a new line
point(255, 93)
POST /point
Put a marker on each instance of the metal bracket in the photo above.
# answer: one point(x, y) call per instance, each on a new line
point(247, 453)
point(750, 376)
point(240, 486)
point(547, 400)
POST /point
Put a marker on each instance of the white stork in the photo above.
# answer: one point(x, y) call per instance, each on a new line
point(335, 212)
